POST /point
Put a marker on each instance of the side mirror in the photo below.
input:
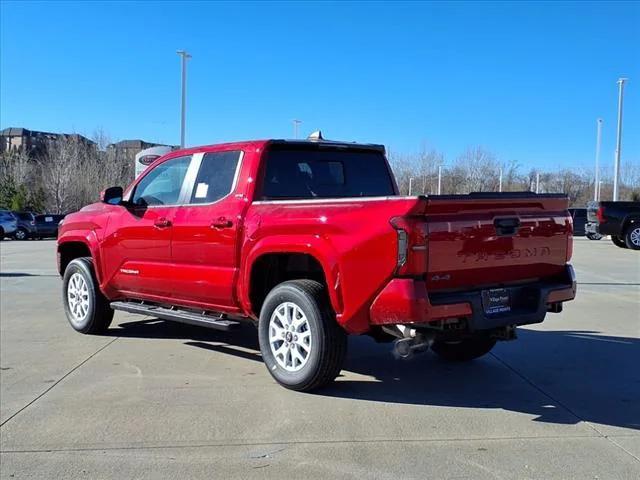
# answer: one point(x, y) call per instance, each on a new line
point(112, 195)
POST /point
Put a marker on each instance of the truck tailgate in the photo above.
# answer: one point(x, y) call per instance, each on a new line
point(479, 240)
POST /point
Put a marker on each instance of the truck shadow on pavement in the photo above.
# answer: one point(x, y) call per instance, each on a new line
point(560, 377)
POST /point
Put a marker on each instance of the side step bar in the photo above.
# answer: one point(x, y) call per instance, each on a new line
point(177, 315)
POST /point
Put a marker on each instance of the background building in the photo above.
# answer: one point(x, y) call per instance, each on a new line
point(34, 143)
point(130, 148)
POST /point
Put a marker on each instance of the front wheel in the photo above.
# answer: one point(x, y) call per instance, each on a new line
point(465, 349)
point(632, 237)
point(301, 344)
point(87, 309)
point(21, 234)
point(618, 242)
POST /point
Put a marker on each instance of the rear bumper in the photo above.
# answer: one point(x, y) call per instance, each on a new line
point(9, 228)
point(406, 301)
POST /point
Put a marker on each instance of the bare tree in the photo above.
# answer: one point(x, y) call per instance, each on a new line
point(477, 170)
point(64, 172)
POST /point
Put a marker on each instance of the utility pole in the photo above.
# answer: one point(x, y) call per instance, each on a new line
point(537, 182)
point(183, 110)
point(616, 165)
point(410, 185)
point(500, 181)
point(596, 193)
point(599, 189)
point(296, 124)
point(439, 179)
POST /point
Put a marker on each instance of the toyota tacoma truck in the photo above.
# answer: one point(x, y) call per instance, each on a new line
point(621, 220)
point(311, 241)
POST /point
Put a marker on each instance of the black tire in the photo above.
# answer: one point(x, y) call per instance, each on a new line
point(632, 236)
point(328, 341)
point(21, 234)
point(1, 234)
point(463, 350)
point(99, 314)
point(594, 236)
point(618, 242)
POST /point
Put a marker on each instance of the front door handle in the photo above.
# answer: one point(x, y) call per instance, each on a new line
point(162, 222)
point(222, 222)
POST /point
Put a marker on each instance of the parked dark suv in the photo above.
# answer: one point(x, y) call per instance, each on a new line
point(580, 221)
point(47, 225)
point(579, 216)
point(26, 225)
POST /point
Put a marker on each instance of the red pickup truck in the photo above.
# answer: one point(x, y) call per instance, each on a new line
point(311, 241)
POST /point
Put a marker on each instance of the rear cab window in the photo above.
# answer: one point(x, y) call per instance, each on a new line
point(216, 178)
point(299, 171)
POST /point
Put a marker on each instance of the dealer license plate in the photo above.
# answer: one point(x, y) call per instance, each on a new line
point(496, 300)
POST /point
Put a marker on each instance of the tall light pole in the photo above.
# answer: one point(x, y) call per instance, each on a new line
point(596, 193)
point(599, 189)
point(410, 185)
point(616, 165)
point(296, 124)
point(183, 109)
point(439, 179)
point(500, 181)
point(537, 182)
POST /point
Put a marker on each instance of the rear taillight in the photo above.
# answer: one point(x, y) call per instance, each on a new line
point(600, 215)
point(412, 246)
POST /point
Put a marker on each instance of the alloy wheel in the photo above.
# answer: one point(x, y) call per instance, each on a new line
point(78, 298)
point(290, 336)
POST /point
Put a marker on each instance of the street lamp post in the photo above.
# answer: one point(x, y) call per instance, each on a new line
point(596, 193)
point(296, 124)
point(439, 179)
point(616, 165)
point(183, 109)
point(599, 189)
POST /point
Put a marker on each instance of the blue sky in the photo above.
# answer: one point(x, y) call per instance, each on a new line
point(526, 80)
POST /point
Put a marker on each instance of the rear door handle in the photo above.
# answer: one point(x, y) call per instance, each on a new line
point(162, 222)
point(222, 222)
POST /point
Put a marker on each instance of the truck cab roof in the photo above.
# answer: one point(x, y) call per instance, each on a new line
point(261, 144)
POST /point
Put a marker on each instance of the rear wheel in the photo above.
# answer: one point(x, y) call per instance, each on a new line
point(87, 309)
point(618, 242)
point(632, 236)
point(1, 234)
point(21, 234)
point(465, 349)
point(302, 345)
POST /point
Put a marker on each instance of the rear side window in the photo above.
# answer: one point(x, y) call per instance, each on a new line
point(162, 185)
point(215, 177)
point(299, 173)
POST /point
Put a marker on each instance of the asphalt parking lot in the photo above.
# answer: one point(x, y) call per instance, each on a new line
point(154, 399)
